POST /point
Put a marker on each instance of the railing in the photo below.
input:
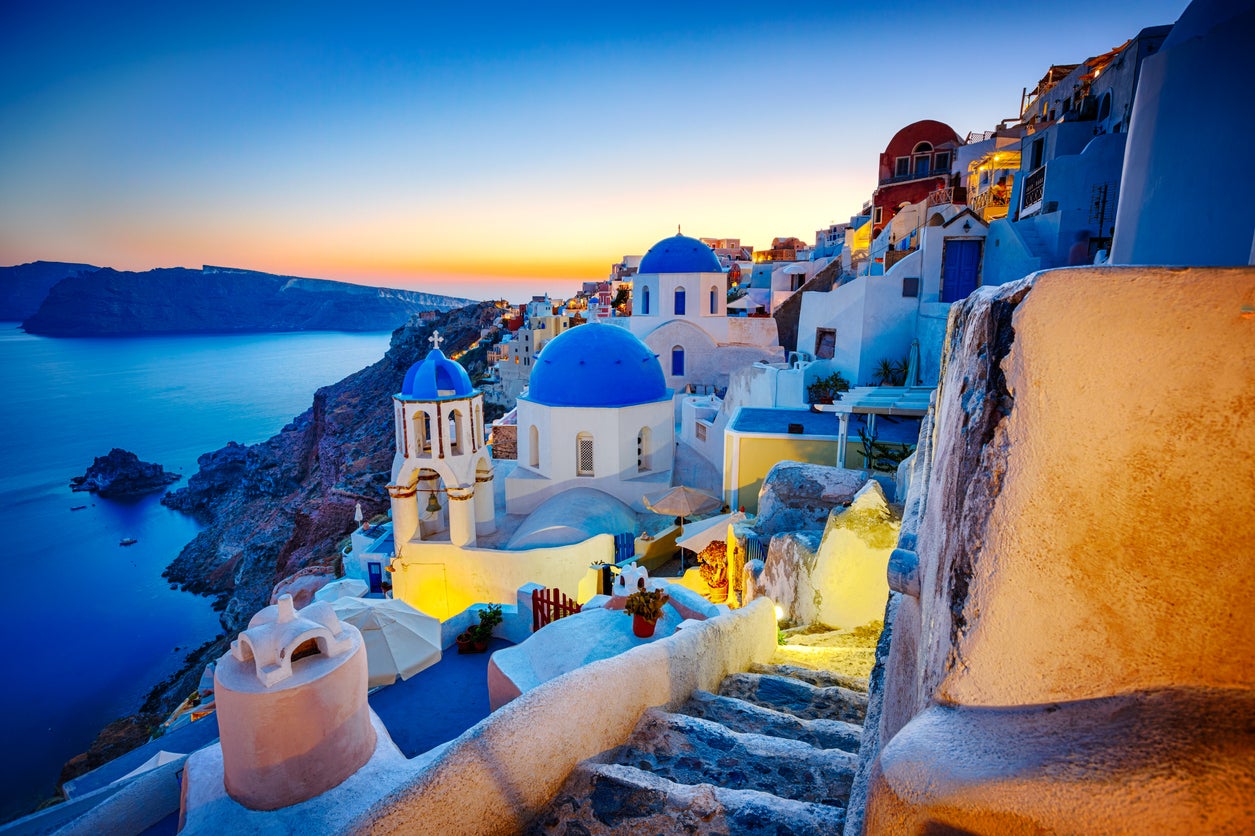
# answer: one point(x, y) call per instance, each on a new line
point(892, 257)
point(548, 605)
point(915, 175)
point(1034, 190)
point(941, 197)
point(991, 197)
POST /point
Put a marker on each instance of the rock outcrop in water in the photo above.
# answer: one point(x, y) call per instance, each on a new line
point(220, 300)
point(121, 473)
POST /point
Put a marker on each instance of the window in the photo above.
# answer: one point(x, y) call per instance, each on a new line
point(455, 433)
point(679, 301)
point(941, 161)
point(1036, 152)
point(422, 434)
point(921, 165)
point(533, 446)
point(902, 167)
point(642, 450)
point(910, 287)
point(645, 300)
point(714, 300)
point(677, 361)
point(584, 454)
point(825, 343)
point(879, 214)
point(922, 148)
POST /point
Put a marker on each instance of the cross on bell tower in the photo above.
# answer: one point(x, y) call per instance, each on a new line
point(435, 339)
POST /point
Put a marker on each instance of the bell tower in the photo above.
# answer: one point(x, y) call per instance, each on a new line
point(441, 486)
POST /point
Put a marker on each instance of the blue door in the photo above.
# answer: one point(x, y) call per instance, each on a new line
point(376, 577)
point(962, 267)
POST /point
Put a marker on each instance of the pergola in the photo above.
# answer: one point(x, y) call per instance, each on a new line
point(904, 401)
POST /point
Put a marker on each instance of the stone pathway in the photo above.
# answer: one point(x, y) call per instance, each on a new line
point(774, 752)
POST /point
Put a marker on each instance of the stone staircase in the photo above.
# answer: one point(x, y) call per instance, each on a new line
point(774, 752)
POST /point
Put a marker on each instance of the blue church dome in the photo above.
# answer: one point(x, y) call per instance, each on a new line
point(680, 254)
point(596, 365)
point(436, 377)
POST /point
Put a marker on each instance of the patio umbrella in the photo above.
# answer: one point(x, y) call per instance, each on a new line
point(400, 640)
point(912, 365)
point(702, 534)
point(343, 588)
point(682, 501)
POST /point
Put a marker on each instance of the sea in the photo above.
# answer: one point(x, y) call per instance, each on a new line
point(89, 625)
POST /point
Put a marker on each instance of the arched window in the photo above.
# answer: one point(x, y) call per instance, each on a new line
point(455, 433)
point(679, 301)
point(422, 434)
point(714, 299)
point(533, 446)
point(677, 361)
point(1104, 106)
point(645, 299)
point(923, 148)
point(643, 453)
point(584, 454)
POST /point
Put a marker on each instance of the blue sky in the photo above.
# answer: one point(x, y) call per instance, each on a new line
point(503, 148)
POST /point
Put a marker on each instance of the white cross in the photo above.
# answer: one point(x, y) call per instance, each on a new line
point(435, 339)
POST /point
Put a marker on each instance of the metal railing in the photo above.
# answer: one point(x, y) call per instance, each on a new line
point(914, 175)
point(1034, 188)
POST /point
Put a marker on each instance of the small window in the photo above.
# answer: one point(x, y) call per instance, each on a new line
point(825, 343)
point(714, 300)
point(941, 161)
point(643, 453)
point(679, 301)
point(533, 446)
point(584, 454)
point(879, 214)
point(902, 167)
point(922, 148)
point(455, 433)
point(645, 300)
point(677, 361)
point(910, 287)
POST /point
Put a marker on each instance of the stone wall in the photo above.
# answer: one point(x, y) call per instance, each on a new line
point(1071, 596)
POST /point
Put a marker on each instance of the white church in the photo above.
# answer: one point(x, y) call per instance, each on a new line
point(596, 435)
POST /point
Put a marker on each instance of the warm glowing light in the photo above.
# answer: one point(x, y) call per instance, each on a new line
point(779, 613)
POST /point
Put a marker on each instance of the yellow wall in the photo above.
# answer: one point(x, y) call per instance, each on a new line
point(755, 456)
point(442, 580)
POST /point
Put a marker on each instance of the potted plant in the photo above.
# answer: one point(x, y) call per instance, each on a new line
point(475, 639)
point(828, 389)
point(714, 569)
point(645, 607)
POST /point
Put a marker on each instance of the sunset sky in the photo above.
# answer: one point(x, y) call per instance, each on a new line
point(484, 150)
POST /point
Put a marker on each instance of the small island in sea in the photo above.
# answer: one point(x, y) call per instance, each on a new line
point(121, 473)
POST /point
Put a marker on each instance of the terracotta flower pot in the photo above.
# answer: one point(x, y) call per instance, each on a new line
point(642, 628)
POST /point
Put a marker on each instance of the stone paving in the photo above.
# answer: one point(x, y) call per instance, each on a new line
point(774, 752)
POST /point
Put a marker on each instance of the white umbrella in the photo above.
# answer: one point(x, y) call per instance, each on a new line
point(702, 534)
point(400, 640)
point(343, 588)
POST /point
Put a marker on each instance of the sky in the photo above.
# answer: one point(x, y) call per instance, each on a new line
point(485, 150)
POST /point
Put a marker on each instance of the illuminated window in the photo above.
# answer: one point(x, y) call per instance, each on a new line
point(584, 454)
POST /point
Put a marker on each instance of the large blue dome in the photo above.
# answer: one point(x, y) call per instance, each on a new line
point(436, 377)
point(680, 254)
point(596, 365)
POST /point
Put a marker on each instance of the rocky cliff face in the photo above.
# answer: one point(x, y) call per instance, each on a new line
point(275, 508)
point(219, 300)
point(23, 287)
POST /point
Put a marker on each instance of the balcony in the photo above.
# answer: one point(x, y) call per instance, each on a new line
point(915, 175)
point(1034, 191)
point(992, 203)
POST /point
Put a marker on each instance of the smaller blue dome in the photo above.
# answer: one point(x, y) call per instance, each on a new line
point(680, 254)
point(436, 377)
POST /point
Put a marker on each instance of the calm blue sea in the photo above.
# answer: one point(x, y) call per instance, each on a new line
point(90, 625)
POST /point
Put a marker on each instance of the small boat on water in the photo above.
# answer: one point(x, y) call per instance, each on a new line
point(77, 507)
point(128, 541)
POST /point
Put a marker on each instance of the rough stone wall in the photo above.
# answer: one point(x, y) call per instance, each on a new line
point(505, 442)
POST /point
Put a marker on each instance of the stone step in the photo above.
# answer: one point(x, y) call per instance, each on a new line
point(690, 750)
point(742, 716)
point(605, 798)
point(822, 679)
point(795, 697)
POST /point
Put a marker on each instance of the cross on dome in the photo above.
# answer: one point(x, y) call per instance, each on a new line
point(435, 339)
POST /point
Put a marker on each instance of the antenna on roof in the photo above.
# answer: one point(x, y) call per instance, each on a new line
point(677, 230)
